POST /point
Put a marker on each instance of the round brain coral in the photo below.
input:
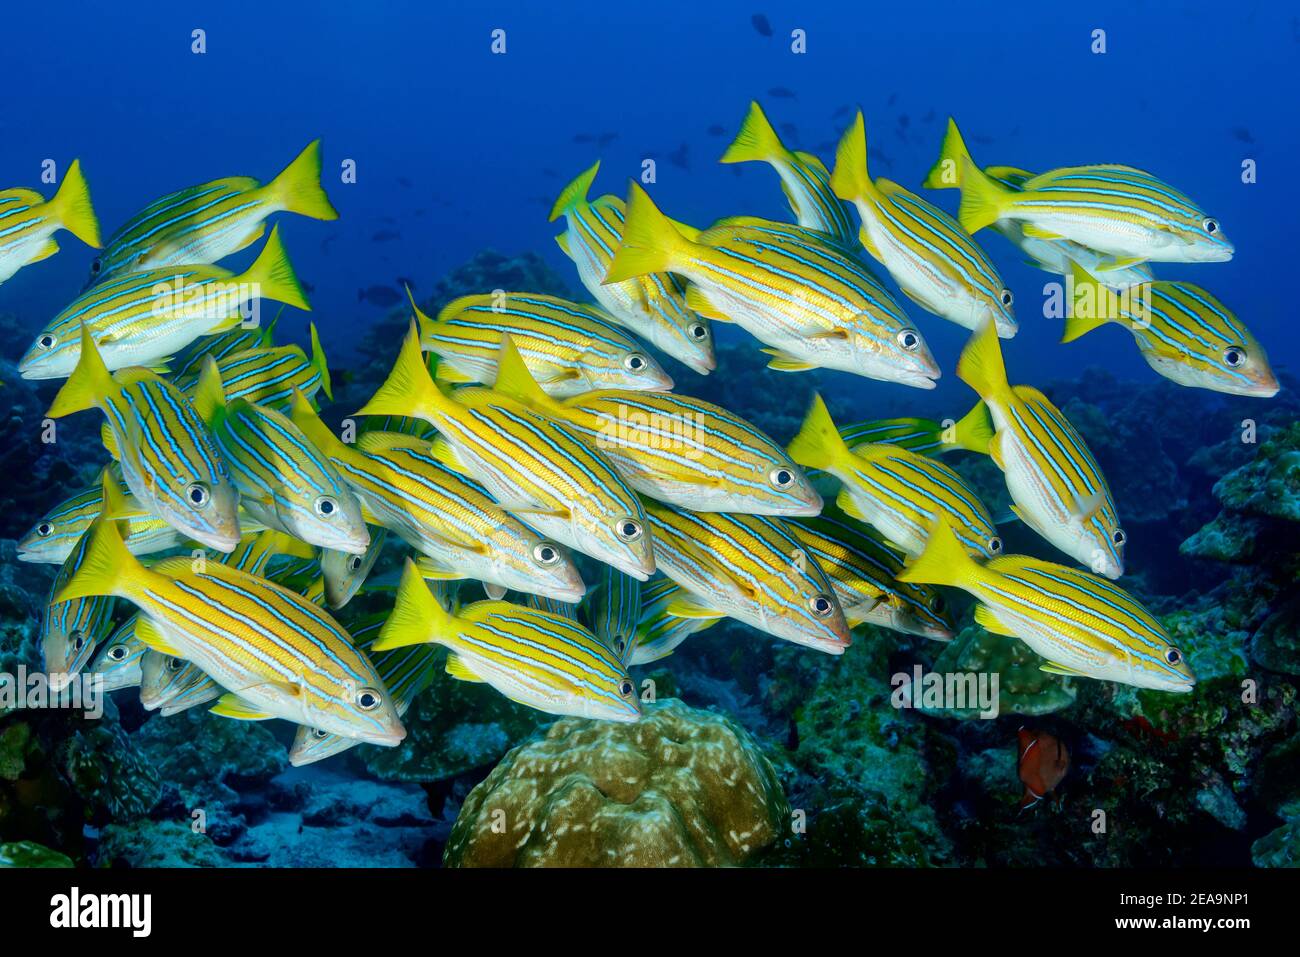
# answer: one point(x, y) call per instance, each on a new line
point(679, 788)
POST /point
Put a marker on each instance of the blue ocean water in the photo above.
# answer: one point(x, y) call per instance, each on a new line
point(458, 149)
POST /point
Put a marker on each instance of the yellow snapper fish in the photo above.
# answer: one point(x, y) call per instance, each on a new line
point(926, 436)
point(449, 519)
point(142, 319)
point(170, 685)
point(1116, 210)
point(56, 533)
point(1054, 481)
point(899, 492)
point(653, 306)
point(612, 608)
point(344, 573)
point(569, 348)
point(532, 466)
point(749, 567)
point(658, 631)
point(804, 178)
point(186, 364)
point(814, 305)
point(1053, 255)
point(932, 258)
point(208, 222)
point(169, 459)
point(676, 449)
point(533, 657)
point(864, 569)
point(405, 671)
point(28, 222)
point(275, 653)
point(72, 630)
point(1183, 333)
point(118, 663)
point(284, 481)
point(1082, 624)
point(268, 374)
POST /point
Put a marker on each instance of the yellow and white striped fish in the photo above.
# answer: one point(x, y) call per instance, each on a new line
point(658, 631)
point(652, 306)
point(1182, 331)
point(185, 367)
point(538, 659)
point(169, 459)
point(678, 449)
point(118, 663)
point(804, 178)
point(1081, 623)
point(28, 222)
point(1054, 481)
point(899, 492)
point(1053, 255)
point(814, 305)
point(864, 570)
point(926, 436)
point(284, 481)
point(931, 257)
point(406, 672)
point(1117, 210)
point(446, 517)
point(275, 653)
point(344, 574)
point(612, 608)
point(56, 533)
point(208, 222)
point(71, 630)
point(749, 567)
point(142, 319)
point(170, 685)
point(569, 348)
point(268, 375)
point(532, 466)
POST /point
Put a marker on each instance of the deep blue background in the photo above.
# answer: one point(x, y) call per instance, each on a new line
point(411, 90)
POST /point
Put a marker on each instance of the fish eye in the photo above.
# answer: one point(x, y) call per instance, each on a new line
point(198, 494)
point(368, 699)
point(1234, 356)
point(635, 362)
point(545, 553)
point(318, 734)
point(698, 332)
point(175, 664)
point(1119, 538)
point(354, 563)
point(625, 688)
point(822, 606)
point(1173, 656)
point(78, 641)
point(995, 545)
point(628, 530)
point(45, 529)
point(117, 653)
point(619, 644)
point(781, 478)
point(46, 341)
point(96, 266)
point(909, 339)
point(326, 506)
point(1005, 297)
point(1211, 226)
point(937, 604)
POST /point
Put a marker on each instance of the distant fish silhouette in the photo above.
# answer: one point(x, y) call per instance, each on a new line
point(1243, 134)
point(761, 25)
point(385, 236)
point(409, 283)
point(842, 111)
point(307, 287)
point(717, 129)
point(605, 139)
point(680, 157)
point(929, 117)
point(893, 98)
point(790, 132)
point(403, 182)
point(781, 93)
point(381, 296)
point(584, 138)
point(879, 155)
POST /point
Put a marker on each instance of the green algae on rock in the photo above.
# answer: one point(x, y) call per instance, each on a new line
point(681, 787)
point(1023, 687)
point(31, 854)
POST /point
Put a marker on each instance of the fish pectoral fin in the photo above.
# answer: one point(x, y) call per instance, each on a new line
point(986, 619)
point(457, 668)
point(1085, 508)
point(1122, 263)
point(446, 373)
point(995, 451)
point(698, 303)
point(1036, 232)
point(494, 591)
point(849, 506)
point(562, 241)
point(864, 237)
point(432, 571)
point(784, 362)
point(441, 450)
point(151, 636)
point(1053, 668)
point(529, 508)
point(567, 375)
point(916, 299)
point(688, 606)
point(253, 236)
point(230, 705)
point(48, 249)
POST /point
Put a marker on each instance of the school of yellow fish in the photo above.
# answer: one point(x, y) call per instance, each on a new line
point(535, 446)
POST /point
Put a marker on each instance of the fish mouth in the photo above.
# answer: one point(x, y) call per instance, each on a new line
point(226, 543)
point(638, 571)
point(917, 379)
point(701, 364)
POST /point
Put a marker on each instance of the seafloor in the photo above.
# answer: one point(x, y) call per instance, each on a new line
point(774, 755)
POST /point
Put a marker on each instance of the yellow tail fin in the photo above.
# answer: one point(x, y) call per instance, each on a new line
point(273, 275)
point(756, 141)
point(974, 430)
point(947, 169)
point(298, 186)
point(107, 567)
point(318, 433)
point(850, 179)
point(575, 194)
point(88, 386)
point(319, 363)
point(514, 380)
point(416, 617)
point(409, 390)
point(650, 241)
point(1091, 306)
point(982, 199)
point(209, 393)
point(819, 445)
point(422, 320)
point(943, 562)
point(71, 206)
point(981, 366)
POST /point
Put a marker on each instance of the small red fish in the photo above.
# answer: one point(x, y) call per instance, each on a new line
point(1043, 763)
